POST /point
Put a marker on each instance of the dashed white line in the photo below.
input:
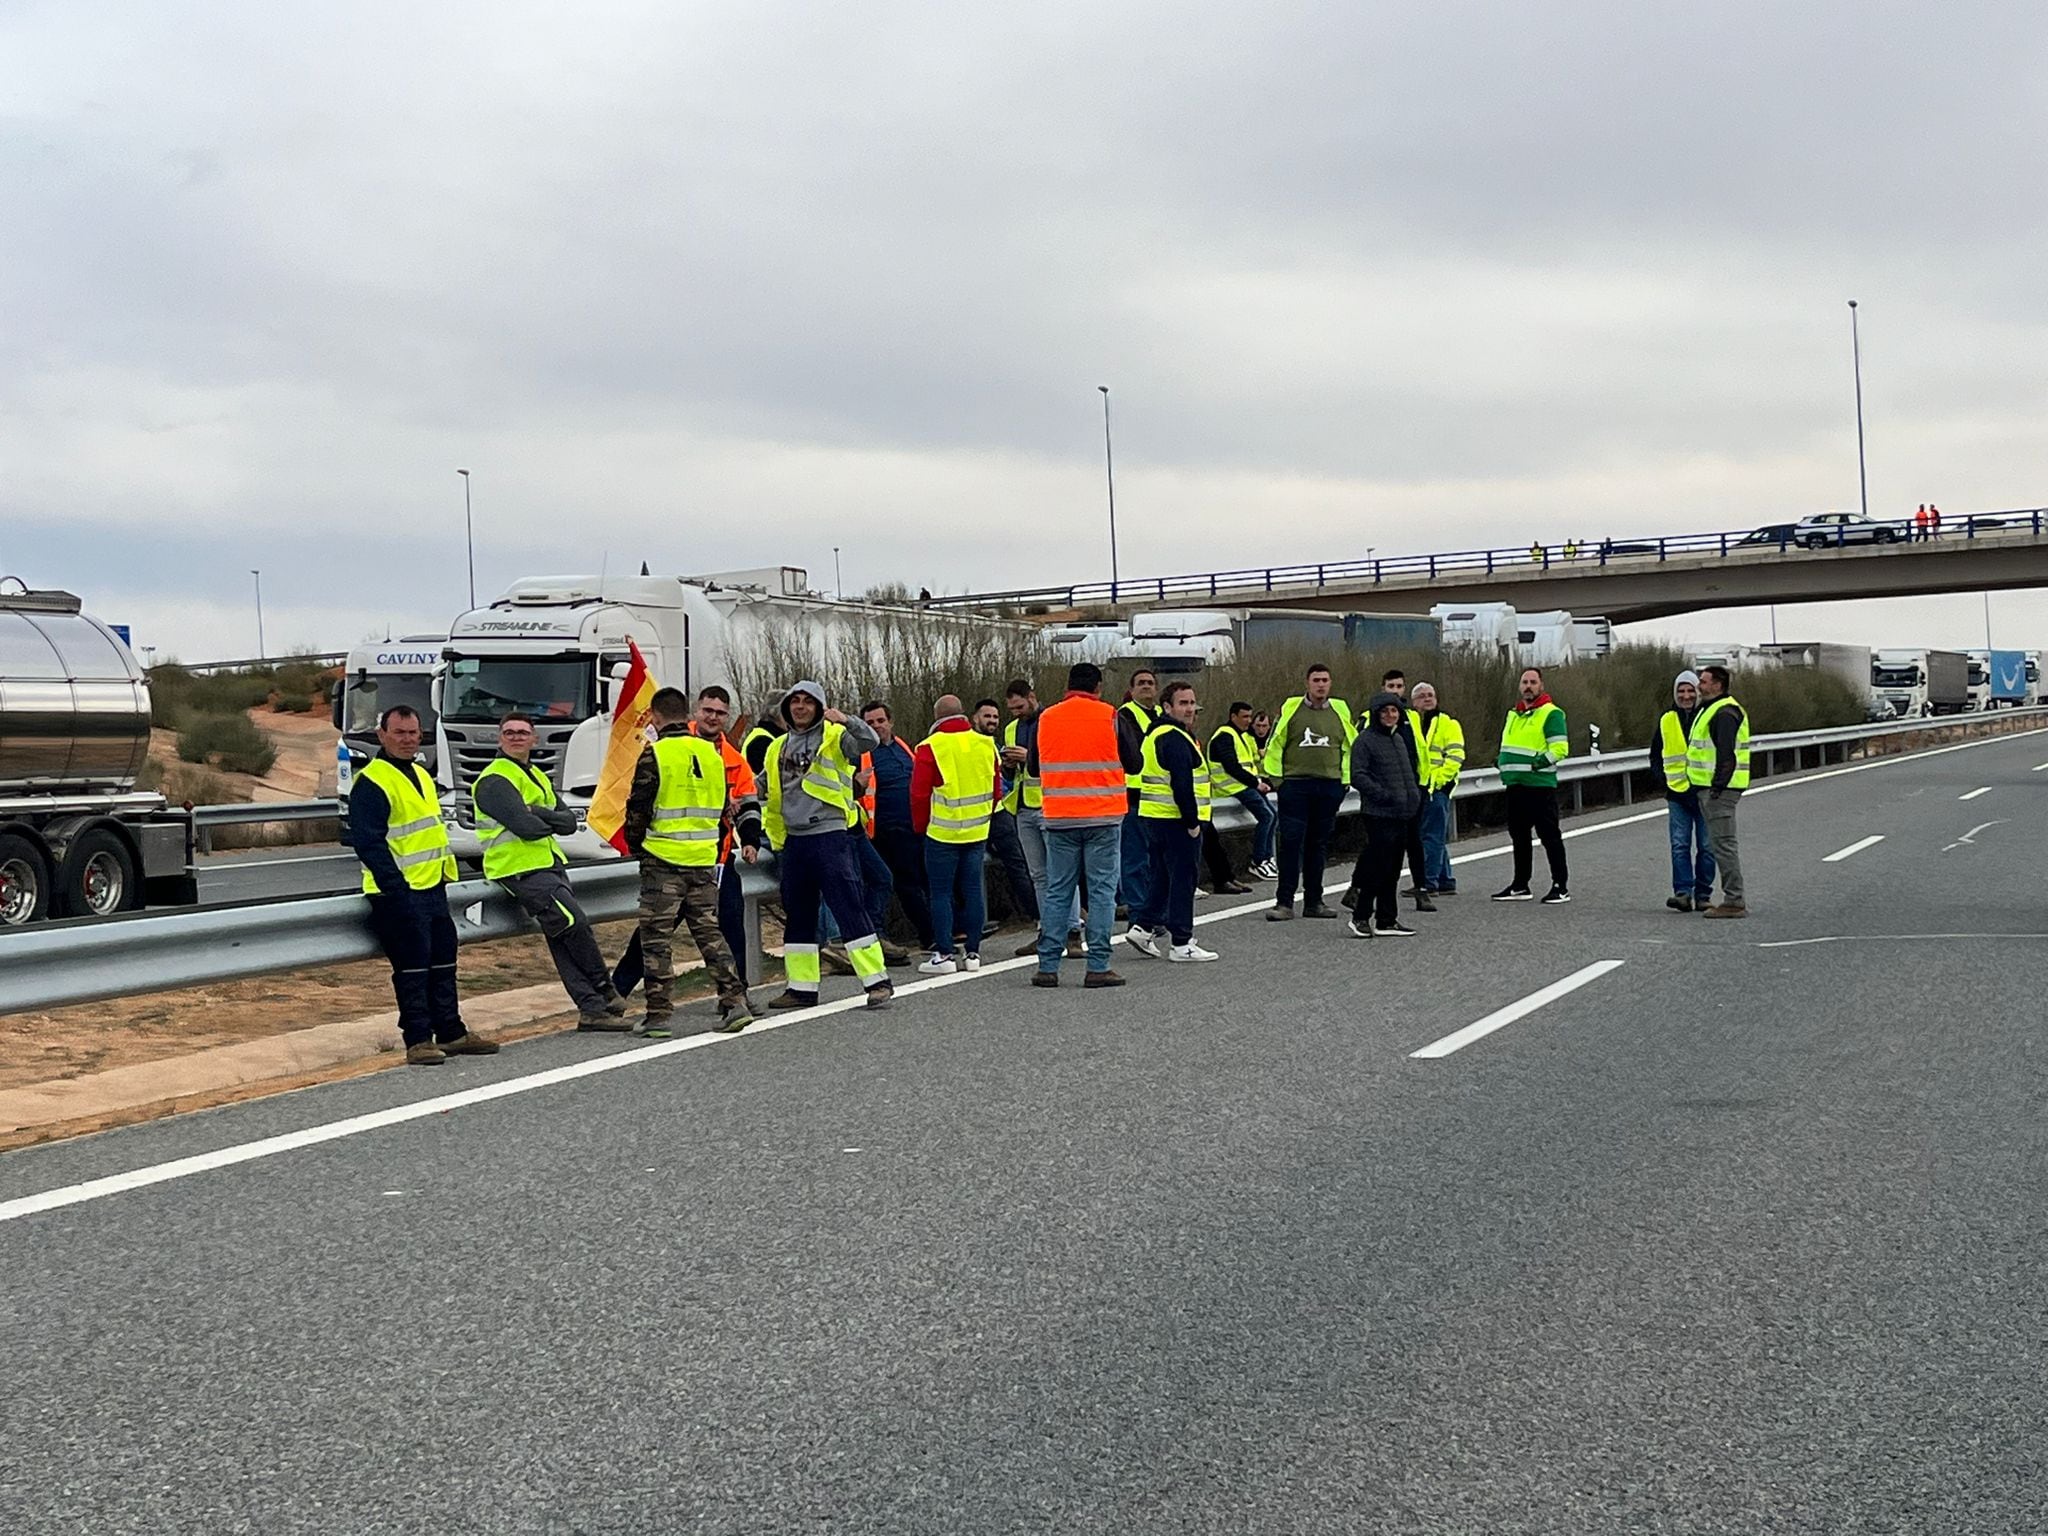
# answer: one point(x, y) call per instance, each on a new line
point(1854, 848)
point(1457, 1040)
point(1973, 794)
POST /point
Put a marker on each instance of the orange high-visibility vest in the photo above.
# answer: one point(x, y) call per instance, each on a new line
point(1079, 768)
point(867, 796)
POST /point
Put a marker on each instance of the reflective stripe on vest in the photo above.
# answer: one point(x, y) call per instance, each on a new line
point(506, 853)
point(1221, 778)
point(966, 794)
point(689, 802)
point(415, 835)
point(1079, 767)
point(1700, 756)
point(1155, 784)
point(829, 780)
point(1677, 774)
point(1522, 741)
point(1144, 719)
point(1026, 792)
point(1446, 744)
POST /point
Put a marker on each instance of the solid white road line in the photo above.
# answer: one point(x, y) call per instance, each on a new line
point(1973, 794)
point(1459, 1039)
point(1898, 938)
point(271, 1146)
point(2038, 767)
point(1854, 848)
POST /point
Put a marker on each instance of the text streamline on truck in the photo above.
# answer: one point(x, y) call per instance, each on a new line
point(76, 837)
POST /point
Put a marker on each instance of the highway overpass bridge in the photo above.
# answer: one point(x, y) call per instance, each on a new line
point(1625, 580)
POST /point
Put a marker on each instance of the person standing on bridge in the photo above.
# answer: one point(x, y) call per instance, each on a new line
point(1532, 743)
point(518, 817)
point(395, 824)
point(1135, 718)
point(1692, 861)
point(675, 814)
point(953, 794)
point(1920, 523)
point(1081, 758)
point(1307, 755)
point(1717, 762)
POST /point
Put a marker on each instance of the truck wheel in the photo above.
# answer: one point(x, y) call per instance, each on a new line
point(98, 876)
point(24, 881)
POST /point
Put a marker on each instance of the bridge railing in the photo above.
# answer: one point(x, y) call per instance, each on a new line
point(1569, 554)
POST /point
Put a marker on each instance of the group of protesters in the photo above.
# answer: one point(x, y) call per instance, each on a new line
point(1096, 812)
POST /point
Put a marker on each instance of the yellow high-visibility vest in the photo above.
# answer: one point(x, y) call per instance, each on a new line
point(1221, 779)
point(689, 803)
point(1026, 791)
point(965, 797)
point(1700, 746)
point(417, 839)
point(1671, 736)
point(505, 854)
point(1155, 784)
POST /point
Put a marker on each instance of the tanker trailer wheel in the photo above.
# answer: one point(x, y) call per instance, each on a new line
point(24, 881)
point(98, 877)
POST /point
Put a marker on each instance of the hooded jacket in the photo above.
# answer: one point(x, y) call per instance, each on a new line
point(1685, 720)
point(802, 815)
point(1383, 764)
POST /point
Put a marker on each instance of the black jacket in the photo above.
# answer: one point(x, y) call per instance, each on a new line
point(1383, 766)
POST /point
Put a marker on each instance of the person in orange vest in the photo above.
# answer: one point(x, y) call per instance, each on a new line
point(742, 829)
point(1933, 521)
point(1920, 523)
point(1081, 761)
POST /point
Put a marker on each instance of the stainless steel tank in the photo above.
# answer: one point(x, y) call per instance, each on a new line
point(74, 706)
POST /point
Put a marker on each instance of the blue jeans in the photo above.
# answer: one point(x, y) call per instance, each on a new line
point(1267, 819)
point(952, 872)
point(1134, 877)
point(1436, 845)
point(1692, 861)
point(1080, 863)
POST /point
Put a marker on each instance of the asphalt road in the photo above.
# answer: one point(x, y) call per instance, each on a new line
point(258, 874)
point(1742, 1234)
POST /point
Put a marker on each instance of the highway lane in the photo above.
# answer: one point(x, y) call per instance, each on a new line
point(1739, 1235)
point(259, 874)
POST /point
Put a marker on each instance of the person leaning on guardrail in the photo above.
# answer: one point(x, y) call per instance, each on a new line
point(517, 817)
point(1533, 742)
point(395, 822)
point(1692, 860)
point(1234, 774)
point(675, 813)
point(1717, 762)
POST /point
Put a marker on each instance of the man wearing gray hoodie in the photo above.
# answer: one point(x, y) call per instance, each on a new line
point(809, 814)
point(1692, 858)
point(1383, 773)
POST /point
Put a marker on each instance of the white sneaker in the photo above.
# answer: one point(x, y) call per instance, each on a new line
point(972, 963)
point(1190, 952)
point(1143, 940)
point(938, 965)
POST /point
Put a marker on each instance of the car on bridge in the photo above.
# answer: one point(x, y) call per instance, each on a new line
point(1779, 534)
point(1832, 530)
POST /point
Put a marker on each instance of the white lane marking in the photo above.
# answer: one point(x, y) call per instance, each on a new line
point(1969, 838)
point(2037, 767)
point(1854, 848)
point(1897, 938)
point(1457, 1040)
point(355, 1125)
point(1973, 794)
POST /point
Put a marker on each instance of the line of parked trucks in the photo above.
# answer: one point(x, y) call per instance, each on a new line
point(78, 839)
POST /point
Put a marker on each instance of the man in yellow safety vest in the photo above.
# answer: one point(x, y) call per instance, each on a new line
point(954, 785)
point(1717, 762)
point(395, 824)
point(1692, 860)
point(518, 816)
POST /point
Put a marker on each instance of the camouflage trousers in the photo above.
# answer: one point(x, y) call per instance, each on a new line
point(666, 889)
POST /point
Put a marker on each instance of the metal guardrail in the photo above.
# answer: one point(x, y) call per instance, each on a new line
point(47, 967)
point(324, 658)
point(1566, 555)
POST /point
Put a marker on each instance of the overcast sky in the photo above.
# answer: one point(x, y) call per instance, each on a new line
point(720, 285)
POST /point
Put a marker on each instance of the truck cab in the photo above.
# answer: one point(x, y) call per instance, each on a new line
point(1899, 680)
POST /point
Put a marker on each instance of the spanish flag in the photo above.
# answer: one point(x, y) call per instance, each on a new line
point(631, 717)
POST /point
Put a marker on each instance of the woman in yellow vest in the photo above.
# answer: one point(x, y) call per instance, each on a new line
point(1173, 808)
point(1692, 860)
point(395, 824)
point(954, 785)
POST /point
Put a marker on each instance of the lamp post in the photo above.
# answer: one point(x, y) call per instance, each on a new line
point(838, 585)
point(260, 652)
point(468, 535)
point(1856, 353)
point(1109, 465)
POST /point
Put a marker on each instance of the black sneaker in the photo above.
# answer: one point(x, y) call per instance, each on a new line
point(1045, 978)
point(1394, 930)
point(1679, 903)
point(1319, 910)
point(1515, 893)
point(1280, 914)
point(1349, 900)
point(1558, 896)
point(1358, 928)
point(1443, 890)
point(1423, 902)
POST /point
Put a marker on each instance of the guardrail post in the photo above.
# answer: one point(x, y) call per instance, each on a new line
point(1319, 576)
point(1489, 562)
point(1628, 789)
point(1724, 546)
point(1660, 547)
point(1376, 573)
point(1578, 797)
point(1432, 567)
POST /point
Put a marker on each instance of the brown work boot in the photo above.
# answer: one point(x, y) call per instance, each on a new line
point(734, 1016)
point(1028, 947)
point(880, 993)
point(424, 1054)
point(1725, 910)
point(1077, 947)
point(614, 1004)
point(1103, 979)
point(466, 1044)
point(894, 954)
point(789, 999)
point(600, 1020)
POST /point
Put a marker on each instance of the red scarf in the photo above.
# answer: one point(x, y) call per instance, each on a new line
point(1530, 708)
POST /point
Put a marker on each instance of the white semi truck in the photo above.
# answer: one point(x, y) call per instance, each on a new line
point(77, 839)
point(1918, 683)
point(1544, 639)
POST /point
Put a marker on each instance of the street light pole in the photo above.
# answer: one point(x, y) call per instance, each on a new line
point(468, 535)
point(1856, 352)
point(838, 585)
point(260, 652)
point(1109, 465)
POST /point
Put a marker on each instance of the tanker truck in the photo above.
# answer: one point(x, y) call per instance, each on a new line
point(77, 839)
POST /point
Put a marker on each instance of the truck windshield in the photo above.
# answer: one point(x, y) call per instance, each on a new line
point(368, 696)
point(1907, 676)
point(486, 688)
point(1978, 675)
